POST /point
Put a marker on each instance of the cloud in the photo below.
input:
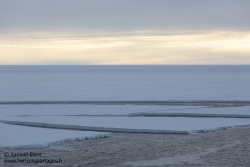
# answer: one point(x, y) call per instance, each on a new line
point(217, 47)
point(123, 15)
point(124, 32)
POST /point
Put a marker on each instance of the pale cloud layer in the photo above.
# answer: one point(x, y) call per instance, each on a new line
point(145, 48)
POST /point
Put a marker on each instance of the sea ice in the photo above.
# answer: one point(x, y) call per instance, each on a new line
point(148, 123)
point(68, 110)
point(14, 136)
point(48, 83)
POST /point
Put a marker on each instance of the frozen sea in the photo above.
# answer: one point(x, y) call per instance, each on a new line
point(116, 83)
point(93, 83)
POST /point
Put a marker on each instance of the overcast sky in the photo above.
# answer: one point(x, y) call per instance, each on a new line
point(112, 31)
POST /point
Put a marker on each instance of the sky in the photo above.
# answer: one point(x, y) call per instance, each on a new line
point(103, 32)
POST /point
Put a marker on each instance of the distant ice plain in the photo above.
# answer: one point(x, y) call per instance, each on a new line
point(48, 83)
point(104, 83)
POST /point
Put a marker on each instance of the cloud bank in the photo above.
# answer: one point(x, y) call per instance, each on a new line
point(124, 32)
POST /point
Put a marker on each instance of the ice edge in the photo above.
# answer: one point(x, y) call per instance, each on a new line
point(88, 128)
